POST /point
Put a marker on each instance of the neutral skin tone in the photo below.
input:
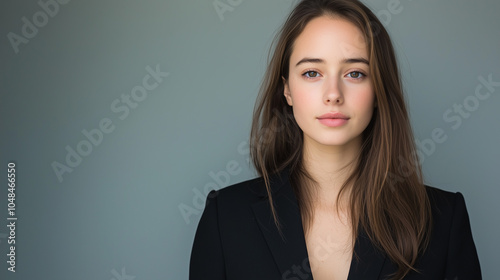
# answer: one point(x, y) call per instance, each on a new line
point(329, 73)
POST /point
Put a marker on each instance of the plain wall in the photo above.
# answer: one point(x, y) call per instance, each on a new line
point(119, 211)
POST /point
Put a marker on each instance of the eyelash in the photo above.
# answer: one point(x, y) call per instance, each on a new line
point(363, 75)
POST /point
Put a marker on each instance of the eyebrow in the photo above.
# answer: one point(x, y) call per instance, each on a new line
point(344, 61)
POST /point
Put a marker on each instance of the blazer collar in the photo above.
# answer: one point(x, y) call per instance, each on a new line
point(289, 250)
point(276, 182)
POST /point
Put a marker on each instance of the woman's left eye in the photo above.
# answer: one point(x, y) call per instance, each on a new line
point(355, 75)
point(311, 74)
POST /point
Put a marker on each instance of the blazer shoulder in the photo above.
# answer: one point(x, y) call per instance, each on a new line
point(255, 189)
point(444, 202)
point(245, 191)
point(451, 227)
point(447, 207)
point(439, 193)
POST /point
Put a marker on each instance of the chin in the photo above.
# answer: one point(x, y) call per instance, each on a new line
point(337, 140)
point(334, 142)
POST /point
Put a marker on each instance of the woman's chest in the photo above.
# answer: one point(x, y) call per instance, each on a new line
point(330, 247)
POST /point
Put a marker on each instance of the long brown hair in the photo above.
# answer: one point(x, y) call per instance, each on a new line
point(390, 204)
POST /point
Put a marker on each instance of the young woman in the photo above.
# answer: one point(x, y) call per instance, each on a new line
point(341, 194)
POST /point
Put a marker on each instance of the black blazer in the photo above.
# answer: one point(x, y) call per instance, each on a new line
point(236, 239)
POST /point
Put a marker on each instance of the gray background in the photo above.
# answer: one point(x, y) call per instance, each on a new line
point(118, 213)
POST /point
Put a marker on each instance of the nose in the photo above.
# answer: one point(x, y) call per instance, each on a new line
point(333, 92)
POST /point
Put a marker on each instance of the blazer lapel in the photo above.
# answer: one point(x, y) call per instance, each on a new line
point(367, 260)
point(289, 249)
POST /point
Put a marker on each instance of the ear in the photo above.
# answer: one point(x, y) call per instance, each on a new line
point(286, 92)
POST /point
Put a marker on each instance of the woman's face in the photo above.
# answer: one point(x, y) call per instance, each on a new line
point(328, 85)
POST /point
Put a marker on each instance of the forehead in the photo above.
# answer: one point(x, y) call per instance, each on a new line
point(331, 38)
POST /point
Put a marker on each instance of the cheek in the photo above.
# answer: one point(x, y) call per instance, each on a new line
point(300, 110)
point(368, 99)
point(303, 104)
point(365, 103)
point(304, 94)
point(303, 100)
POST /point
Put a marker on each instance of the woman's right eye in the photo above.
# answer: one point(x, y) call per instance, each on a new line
point(311, 74)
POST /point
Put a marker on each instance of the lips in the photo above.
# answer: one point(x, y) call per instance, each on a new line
point(333, 119)
point(333, 116)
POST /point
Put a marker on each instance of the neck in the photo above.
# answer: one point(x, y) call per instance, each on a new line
point(330, 166)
